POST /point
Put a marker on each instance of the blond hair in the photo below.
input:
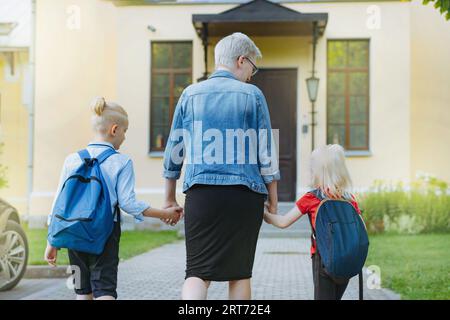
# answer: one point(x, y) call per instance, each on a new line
point(107, 114)
point(329, 173)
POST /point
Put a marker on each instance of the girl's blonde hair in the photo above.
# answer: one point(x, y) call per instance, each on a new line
point(329, 172)
point(107, 114)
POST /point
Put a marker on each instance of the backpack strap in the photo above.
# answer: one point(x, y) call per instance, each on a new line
point(105, 155)
point(86, 157)
point(313, 232)
point(84, 154)
point(317, 194)
point(117, 212)
point(361, 285)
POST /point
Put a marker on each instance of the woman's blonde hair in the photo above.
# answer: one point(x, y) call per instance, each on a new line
point(107, 114)
point(329, 173)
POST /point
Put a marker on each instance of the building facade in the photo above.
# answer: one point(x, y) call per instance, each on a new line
point(15, 101)
point(383, 70)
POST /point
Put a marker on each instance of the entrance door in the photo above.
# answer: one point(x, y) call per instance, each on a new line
point(280, 89)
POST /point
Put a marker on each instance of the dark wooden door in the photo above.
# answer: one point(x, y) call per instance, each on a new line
point(280, 89)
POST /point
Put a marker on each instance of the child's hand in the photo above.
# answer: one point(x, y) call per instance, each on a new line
point(51, 255)
point(267, 217)
point(266, 214)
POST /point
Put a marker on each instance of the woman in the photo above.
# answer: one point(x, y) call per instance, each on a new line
point(229, 177)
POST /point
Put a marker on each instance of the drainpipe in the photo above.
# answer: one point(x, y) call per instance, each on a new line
point(31, 65)
point(205, 52)
point(313, 112)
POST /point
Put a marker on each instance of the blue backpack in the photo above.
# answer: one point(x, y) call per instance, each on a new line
point(82, 219)
point(341, 238)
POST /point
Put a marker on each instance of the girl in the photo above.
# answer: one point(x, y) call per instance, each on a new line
point(98, 273)
point(331, 178)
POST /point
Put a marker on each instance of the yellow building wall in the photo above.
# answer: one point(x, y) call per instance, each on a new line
point(14, 131)
point(109, 55)
point(390, 76)
point(389, 132)
point(430, 92)
point(76, 56)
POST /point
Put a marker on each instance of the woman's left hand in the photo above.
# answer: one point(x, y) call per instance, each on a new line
point(270, 208)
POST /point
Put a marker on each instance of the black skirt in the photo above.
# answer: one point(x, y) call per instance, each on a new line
point(222, 224)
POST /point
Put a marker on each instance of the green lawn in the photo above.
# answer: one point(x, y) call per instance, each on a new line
point(415, 266)
point(131, 243)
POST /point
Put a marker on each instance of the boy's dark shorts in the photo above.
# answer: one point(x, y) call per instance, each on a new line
point(98, 273)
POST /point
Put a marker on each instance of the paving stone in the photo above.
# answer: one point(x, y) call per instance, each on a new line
point(282, 271)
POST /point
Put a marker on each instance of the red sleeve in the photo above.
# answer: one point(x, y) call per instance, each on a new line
point(305, 203)
point(355, 204)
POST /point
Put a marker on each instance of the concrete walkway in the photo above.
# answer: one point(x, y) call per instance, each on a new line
point(282, 270)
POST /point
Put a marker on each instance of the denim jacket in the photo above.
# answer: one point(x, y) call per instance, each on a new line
point(221, 130)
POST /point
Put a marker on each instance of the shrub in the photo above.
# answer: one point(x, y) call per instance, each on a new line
point(422, 207)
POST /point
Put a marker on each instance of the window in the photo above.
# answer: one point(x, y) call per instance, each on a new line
point(171, 72)
point(348, 93)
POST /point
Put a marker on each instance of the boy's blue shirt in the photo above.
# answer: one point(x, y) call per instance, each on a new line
point(119, 176)
point(222, 102)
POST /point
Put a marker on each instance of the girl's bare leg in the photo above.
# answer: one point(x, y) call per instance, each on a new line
point(240, 290)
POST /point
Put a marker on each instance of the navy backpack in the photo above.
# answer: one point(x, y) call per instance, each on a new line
point(82, 218)
point(341, 238)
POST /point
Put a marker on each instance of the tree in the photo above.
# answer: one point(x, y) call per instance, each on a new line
point(442, 5)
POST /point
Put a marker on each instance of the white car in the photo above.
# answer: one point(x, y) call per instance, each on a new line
point(13, 247)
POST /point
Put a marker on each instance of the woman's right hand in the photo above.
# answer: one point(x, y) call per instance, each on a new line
point(173, 214)
point(169, 204)
point(172, 204)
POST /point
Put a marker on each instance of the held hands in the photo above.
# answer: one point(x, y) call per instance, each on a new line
point(271, 207)
point(268, 212)
point(50, 255)
point(174, 213)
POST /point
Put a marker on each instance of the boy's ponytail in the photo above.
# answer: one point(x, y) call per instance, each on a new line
point(98, 105)
point(106, 114)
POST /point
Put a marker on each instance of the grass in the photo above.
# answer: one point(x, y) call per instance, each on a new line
point(132, 243)
point(415, 266)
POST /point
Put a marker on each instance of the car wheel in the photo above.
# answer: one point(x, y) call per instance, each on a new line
point(13, 255)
